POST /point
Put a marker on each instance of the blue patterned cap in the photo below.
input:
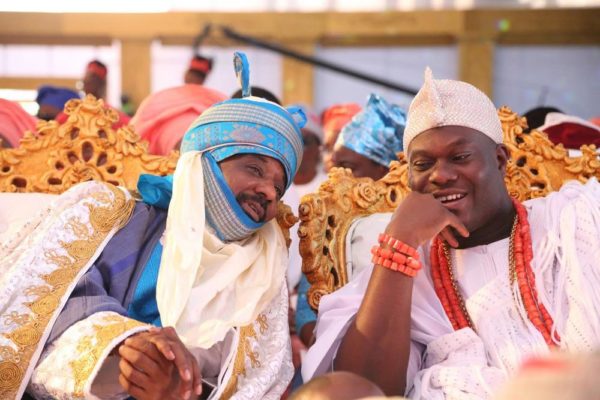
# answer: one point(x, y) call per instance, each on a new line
point(375, 132)
point(249, 125)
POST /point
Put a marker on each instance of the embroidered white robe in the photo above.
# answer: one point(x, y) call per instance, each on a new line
point(448, 364)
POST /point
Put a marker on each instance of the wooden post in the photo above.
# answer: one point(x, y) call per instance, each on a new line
point(298, 78)
point(135, 69)
point(476, 62)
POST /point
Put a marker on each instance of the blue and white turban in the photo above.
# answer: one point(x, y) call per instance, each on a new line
point(249, 125)
point(375, 132)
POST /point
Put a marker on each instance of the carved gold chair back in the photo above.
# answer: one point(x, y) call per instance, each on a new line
point(537, 167)
point(83, 148)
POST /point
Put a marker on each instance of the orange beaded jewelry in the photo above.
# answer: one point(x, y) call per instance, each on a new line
point(398, 245)
point(520, 256)
point(398, 257)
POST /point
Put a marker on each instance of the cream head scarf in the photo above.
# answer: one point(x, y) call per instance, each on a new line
point(444, 102)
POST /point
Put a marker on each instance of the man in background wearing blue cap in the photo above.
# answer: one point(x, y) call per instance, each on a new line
point(52, 99)
point(371, 140)
point(366, 145)
point(202, 255)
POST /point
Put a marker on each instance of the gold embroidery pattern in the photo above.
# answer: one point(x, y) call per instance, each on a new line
point(47, 298)
point(92, 346)
point(244, 350)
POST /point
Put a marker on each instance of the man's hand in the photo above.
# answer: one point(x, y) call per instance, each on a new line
point(157, 365)
point(420, 217)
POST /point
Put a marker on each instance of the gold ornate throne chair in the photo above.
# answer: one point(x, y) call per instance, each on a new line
point(83, 148)
point(537, 167)
point(86, 147)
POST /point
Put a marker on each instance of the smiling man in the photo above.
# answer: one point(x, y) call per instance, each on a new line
point(157, 299)
point(465, 283)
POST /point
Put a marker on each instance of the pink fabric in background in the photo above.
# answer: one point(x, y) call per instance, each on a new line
point(163, 117)
point(14, 121)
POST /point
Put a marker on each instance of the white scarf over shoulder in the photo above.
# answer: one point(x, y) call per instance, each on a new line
point(206, 287)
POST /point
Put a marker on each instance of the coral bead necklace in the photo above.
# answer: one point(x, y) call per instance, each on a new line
point(520, 256)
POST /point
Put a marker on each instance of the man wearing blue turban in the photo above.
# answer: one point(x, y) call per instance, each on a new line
point(202, 256)
point(366, 145)
point(372, 140)
point(52, 99)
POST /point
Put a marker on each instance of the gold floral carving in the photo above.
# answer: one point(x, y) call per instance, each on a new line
point(47, 297)
point(244, 351)
point(286, 219)
point(91, 347)
point(85, 147)
point(537, 167)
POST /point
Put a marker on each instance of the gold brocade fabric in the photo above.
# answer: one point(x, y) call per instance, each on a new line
point(244, 351)
point(47, 298)
point(90, 348)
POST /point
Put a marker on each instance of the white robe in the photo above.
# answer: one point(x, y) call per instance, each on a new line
point(448, 364)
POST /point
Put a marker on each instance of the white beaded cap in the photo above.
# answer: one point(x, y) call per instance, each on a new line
point(444, 102)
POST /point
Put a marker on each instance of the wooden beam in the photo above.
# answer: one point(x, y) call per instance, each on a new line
point(283, 26)
point(33, 83)
point(298, 78)
point(514, 22)
point(135, 69)
point(387, 41)
point(504, 24)
point(56, 40)
point(549, 39)
point(392, 24)
point(476, 63)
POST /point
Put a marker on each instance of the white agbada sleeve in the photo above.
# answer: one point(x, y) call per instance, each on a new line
point(448, 364)
point(441, 361)
point(337, 310)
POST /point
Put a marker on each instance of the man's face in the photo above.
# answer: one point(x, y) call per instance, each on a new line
point(257, 181)
point(194, 78)
point(360, 165)
point(330, 138)
point(93, 84)
point(48, 112)
point(328, 144)
point(312, 151)
point(463, 169)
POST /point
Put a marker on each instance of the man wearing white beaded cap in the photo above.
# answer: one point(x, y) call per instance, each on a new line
point(501, 281)
point(105, 298)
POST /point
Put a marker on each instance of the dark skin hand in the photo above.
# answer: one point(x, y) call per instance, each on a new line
point(456, 176)
point(307, 334)
point(157, 365)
